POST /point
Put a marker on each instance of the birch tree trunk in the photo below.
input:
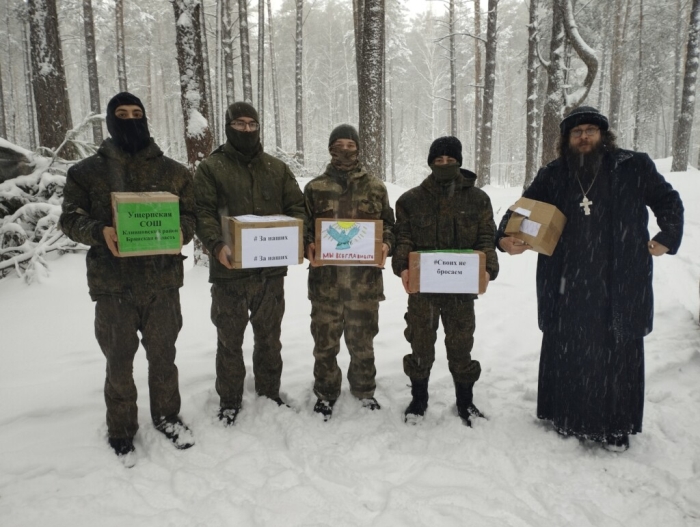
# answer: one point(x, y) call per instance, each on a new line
point(3, 126)
point(616, 66)
point(370, 66)
point(681, 141)
point(273, 70)
point(484, 170)
point(453, 71)
point(245, 51)
point(195, 109)
point(299, 88)
point(49, 77)
point(554, 99)
point(121, 51)
point(31, 114)
point(477, 83)
point(207, 70)
point(678, 64)
point(93, 83)
point(640, 77)
point(261, 68)
point(227, 44)
point(532, 131)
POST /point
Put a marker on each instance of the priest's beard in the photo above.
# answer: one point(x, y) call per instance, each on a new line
point(589, 163)
point(343, 160)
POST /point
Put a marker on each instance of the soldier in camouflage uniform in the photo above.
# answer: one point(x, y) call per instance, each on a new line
point(446, 211)
point(345, 299)
point(135, 294)
point(239, 178)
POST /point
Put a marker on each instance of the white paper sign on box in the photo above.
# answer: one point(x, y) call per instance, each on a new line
point(347, 241)
point(449, 273)
point(269, 247)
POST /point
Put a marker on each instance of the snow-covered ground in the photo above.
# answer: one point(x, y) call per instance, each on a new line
point(282, 467)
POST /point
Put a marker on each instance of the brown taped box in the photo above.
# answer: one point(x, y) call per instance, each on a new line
point(146, 223)
point(233, 227)
point(541, 229)
point(414, 269)
point(335, 247)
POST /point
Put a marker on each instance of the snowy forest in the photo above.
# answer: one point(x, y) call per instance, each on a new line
point(498, 74)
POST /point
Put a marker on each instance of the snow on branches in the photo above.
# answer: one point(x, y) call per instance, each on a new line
point(30, 205)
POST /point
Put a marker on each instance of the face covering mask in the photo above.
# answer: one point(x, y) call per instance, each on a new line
point(445, 174)
point(343, 160)
point(245, 142)
point(131, 135)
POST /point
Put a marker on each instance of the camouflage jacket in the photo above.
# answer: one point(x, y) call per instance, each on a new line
point(226, 184)
point(358, 195)
point(87, 210)
point(428, 218)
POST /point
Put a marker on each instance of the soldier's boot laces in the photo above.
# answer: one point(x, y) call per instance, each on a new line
point(228, 415)
point(419, 404)
point(370, 403)
point(465, 402)
point(325, 408)
point(177, 432)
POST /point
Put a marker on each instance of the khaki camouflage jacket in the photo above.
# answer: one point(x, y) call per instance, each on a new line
point(430, 217)
point(87, 210)
point(357, 195)
point(225, 184)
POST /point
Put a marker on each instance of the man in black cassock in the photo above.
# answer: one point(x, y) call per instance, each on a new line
point(594, 294)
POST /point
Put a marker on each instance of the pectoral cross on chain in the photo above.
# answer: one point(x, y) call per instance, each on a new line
point(586, 204)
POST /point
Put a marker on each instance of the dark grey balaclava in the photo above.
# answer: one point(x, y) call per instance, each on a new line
point(131, 135)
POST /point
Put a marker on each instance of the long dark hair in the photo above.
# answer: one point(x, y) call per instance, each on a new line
point(608, 141)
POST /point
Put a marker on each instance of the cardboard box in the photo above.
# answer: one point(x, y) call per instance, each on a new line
point(263, 241)
point(349, 241)
point(536, 223)
point(147, 223)
point(447, 271)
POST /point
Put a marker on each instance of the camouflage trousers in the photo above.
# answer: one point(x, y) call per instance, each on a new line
point(359, 321)
point(118, 319)
point(233, 304)
point(422, 319)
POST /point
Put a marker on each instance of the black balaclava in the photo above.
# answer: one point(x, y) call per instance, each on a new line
point(131, 135)
point(247, 143)
point(445, 146)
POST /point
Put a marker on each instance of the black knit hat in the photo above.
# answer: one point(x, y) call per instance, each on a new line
point(241, 109)
point(123, 99)
point(344, 131)
point(445, 146)
point(583, 115)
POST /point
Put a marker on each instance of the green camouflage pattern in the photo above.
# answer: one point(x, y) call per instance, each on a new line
point(87, 209)
point(431, 217)
point(227, 183)
point(259, 299)
point(422, 320)
point(118, 319)
point(357, 195)
point(359, 322)
point(345, 299)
